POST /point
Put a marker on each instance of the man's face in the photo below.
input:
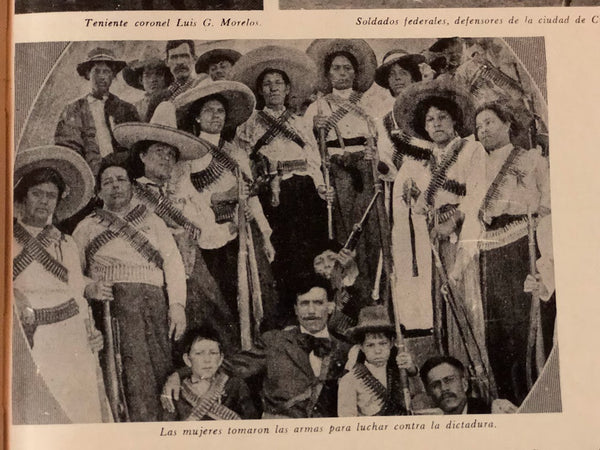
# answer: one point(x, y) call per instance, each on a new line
point(324, 263)
point(39, 204)
point(439, 125)
point(115, 189)
point(204, 358)
point(101, 77)
point(313, 309)
point(398, 79)
point(447, 387)
point(274, 90)
point(180, 62)
point(491, 131)
point(212, 117)
point(377, 348)
point(220, 70)
point(341, 73)
point(153, 80)
point(158, 161)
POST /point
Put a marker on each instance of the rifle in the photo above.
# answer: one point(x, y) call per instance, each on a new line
point(535, 341)
point(114, 367)
point(325, 164)
point(243, 298)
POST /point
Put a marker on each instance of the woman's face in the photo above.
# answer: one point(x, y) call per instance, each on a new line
point(491, 131)
point(274, 90)
point(439, 126)
point(212, 117)
point(39, 204)
point(398, 79)
point(341, 73)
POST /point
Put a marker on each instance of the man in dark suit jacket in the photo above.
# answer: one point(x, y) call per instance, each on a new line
point(300, 365)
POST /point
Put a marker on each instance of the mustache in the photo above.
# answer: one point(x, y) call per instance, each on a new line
point(448, 395)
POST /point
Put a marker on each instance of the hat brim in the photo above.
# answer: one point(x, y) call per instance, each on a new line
point(409, 100)
point(319, 49)
point(355, 333)
point(299, 68)
point(407, 62)
point(116, 65)
point(189, 146)
point(73, 169)
point(206, 58)
point(132, 73)
point(240, 99)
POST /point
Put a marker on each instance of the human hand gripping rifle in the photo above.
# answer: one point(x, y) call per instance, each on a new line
point(325, 165)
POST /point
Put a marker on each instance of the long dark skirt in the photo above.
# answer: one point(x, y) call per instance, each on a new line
point(299, 225)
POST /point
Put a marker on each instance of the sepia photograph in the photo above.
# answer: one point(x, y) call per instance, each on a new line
point(273, 229)
point(410, 4)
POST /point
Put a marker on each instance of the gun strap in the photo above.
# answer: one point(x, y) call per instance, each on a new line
point(124, 228)
point(438, 176)
point(344, 107)
point(378, 390)
point(277, 126)
point(34, 249)
point(208, 404)
point(165, 209)
point(219, 164)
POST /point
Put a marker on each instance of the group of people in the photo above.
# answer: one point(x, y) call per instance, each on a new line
point(253, 239)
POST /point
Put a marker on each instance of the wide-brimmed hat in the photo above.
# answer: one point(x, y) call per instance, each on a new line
point(299, 68)
point(240, 99)
point(442, 44)
point(99, 55)
point(411, 98)
point(73, 169)
point(371, 319)
point(150, 59)
point(320, 49)
point(408, 61)
point(214, 55)
point(162, 128)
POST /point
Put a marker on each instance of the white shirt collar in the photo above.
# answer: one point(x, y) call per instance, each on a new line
point(92, 99)
point(343, 93)
point(273, 112)
point(212, 138)
point(324, 333)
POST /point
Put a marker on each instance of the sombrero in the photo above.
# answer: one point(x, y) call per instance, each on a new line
point(217, 54)
point(98, 55)
point(299, 68)
point(408, 61)
point(150, 59)
point(240, 99)
point(371, 319)
point(73, 169)
point(319, 49)
point(409, 100)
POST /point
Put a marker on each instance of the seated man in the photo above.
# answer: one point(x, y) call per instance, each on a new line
point(301, 365)
point(445, 379)
point(373, 387)
point(208, 393)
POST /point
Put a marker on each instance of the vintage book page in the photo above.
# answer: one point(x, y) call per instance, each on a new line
point(147, 312)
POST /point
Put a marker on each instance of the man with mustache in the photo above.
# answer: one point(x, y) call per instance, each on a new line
point(86, 124)
point(181, 57)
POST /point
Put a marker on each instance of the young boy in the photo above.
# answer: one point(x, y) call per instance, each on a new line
point(208, 393)
point(372, 386)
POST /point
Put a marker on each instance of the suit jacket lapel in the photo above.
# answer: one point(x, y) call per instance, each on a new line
point(297, 354)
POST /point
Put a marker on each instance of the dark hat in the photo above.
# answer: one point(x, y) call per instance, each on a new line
point(73, 169)
point(100, 55)
point(215, 55)
point(408, 61)
point(443, 44)
point(320, 49)
point(298, 67)
point(445, 87)
point(371, 319)
point(150, 59)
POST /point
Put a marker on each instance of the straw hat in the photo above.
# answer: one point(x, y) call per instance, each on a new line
point(99, 55)
point(240, 99)
point(73, 169)
point(149, 59)
point(215, 55)
point(299, 68)
point(408, 61)
point(320, 49)
point(371, 319)
point(409, 100)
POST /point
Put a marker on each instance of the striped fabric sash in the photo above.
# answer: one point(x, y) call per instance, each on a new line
point(34, 249)
point(493, 192)
point(124, 228)
point(208, 404)
point(165, 209)
point(438, 177)
point(219, 163)
point(343, 108)
point(277, 126)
